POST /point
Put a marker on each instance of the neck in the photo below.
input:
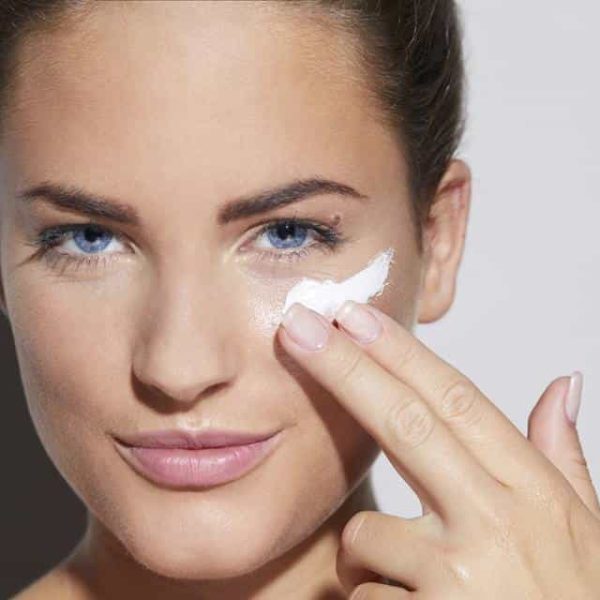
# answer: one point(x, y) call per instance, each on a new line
point(100, 567)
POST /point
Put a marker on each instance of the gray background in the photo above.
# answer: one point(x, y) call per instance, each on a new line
point(526, 307)
point(527, 302)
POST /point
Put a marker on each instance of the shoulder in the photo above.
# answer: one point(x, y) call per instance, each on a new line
point(56, 584)
point(50, 586)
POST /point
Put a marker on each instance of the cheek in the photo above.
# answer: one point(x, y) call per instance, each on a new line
point(74, 342)
point(72, 365)
point(264, 300)
point(242, 525)
point(269, 297)
point(65, 336)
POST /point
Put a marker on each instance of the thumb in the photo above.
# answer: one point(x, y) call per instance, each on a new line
point(552, 431)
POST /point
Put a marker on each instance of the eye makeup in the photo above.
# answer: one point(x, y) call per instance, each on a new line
point(48, 240)
point(277, 247)
point(324, 237)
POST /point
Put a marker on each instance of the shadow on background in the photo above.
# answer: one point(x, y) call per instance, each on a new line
point(41, 517)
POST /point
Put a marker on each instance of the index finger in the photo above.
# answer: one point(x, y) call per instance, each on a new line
point(429, 456)
point(496, 442)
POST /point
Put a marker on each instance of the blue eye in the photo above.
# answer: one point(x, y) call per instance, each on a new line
point(92, 238)
point(287, 234)
point(82, 243)
point(88, 238)
point(285, 240)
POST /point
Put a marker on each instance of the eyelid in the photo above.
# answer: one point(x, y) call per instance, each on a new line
point(65, 229)
point(262, 226)
point(64, 232)
point(325, 230)
point(328, 238)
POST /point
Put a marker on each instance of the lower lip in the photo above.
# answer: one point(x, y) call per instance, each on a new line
point(182, 468)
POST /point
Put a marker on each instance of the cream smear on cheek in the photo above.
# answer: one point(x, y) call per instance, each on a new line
point(325, 297)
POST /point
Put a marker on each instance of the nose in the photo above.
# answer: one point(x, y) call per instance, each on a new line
point(185, 344)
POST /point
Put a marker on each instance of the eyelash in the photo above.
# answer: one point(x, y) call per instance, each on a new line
point(329, 240)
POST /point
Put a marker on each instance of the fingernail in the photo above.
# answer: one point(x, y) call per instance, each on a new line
point(306, 327)
point(358, 322)
point(573, 397)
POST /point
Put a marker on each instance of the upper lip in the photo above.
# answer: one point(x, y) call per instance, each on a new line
point(187, 438)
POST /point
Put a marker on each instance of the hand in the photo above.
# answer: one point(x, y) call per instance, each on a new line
point(500, 519)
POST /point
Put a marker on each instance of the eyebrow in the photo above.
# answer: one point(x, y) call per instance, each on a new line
point(76, 199)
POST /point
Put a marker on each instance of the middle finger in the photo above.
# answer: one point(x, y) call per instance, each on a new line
point(419, 445)
point(491, 437)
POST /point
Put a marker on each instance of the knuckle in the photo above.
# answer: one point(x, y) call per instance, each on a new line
point(561, 500)
point(460, 401)
point(410, 423)
point(499, 518)
point(458, 572)
point(513, 514)
point(583, 477)
point(578, 467)
point(406, 355)
point(549, 495)
point(453, 559)
point(584, 531)
point(350, 369)
point(580, 460)
point(495, 522)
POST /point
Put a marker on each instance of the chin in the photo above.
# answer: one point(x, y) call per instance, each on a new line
point(197, 558)
point(191, 539)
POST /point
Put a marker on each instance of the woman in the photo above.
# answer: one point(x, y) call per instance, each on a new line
point(172, 170)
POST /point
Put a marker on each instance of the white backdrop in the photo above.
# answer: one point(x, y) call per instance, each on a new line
point(527, 302)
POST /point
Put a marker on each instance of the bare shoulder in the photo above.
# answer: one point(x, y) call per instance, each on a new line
point(46, 586)
point(56, 584)
point(50, 585)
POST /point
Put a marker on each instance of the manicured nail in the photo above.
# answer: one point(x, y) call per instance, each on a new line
point(306, 327)
point(358, 322)
point(573, 397)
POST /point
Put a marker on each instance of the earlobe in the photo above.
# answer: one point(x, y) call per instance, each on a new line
point(444, 237)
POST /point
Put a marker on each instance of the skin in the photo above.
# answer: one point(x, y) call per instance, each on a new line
point(178, 328)
point(500, 520)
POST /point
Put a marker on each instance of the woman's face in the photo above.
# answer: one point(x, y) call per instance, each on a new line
point(177, 109)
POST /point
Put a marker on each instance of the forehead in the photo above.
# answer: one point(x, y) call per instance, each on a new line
point(225, 92)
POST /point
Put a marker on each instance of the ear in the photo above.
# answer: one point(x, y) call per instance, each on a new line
point(443, 242)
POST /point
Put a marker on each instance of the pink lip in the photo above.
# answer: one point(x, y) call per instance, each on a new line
point(180, 459)
point(185, 438)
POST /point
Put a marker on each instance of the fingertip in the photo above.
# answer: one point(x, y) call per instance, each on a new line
point(572, 397)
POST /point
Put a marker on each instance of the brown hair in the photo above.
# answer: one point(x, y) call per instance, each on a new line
point(411, 59)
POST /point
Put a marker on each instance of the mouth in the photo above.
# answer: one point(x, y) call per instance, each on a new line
point(179, 459)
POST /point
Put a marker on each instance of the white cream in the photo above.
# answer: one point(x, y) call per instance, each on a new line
point(325, 297)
